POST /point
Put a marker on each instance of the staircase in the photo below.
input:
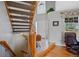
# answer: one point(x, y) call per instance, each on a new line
point(21, 14)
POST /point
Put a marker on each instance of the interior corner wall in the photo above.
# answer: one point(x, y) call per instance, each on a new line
point(50, 4)
point(66, 5)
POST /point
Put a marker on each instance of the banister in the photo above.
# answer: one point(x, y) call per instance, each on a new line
point(6, 46)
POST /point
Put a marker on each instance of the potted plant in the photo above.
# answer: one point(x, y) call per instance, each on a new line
point(50, 10)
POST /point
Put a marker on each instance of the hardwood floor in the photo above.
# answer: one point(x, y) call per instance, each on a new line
point(57, 51)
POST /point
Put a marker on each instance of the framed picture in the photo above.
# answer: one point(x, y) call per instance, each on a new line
point(55, 23)
point(71, 19)
point(75, 19)
point(66, 20)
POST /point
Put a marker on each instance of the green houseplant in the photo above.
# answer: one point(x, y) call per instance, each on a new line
point(50, 10)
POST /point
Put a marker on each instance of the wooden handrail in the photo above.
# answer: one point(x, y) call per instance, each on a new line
point(6, 46)
point(24, 51)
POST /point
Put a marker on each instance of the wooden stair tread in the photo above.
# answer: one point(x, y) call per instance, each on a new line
point(21, 2)
point(15, 19)
point(18, 17)
point(21, 31)
point(19, 9)
point(25, 24)
point(20, 12)
point(30, 2)
point(20, 21)
point(18, 5)
point(19, 25)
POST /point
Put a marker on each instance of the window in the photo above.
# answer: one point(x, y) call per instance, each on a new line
point(41, 7)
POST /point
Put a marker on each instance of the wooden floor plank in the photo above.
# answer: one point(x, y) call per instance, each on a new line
point(57, 51)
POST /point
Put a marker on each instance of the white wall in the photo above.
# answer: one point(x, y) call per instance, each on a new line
point(50, 4)
point(5, 28)
point(66, 5)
